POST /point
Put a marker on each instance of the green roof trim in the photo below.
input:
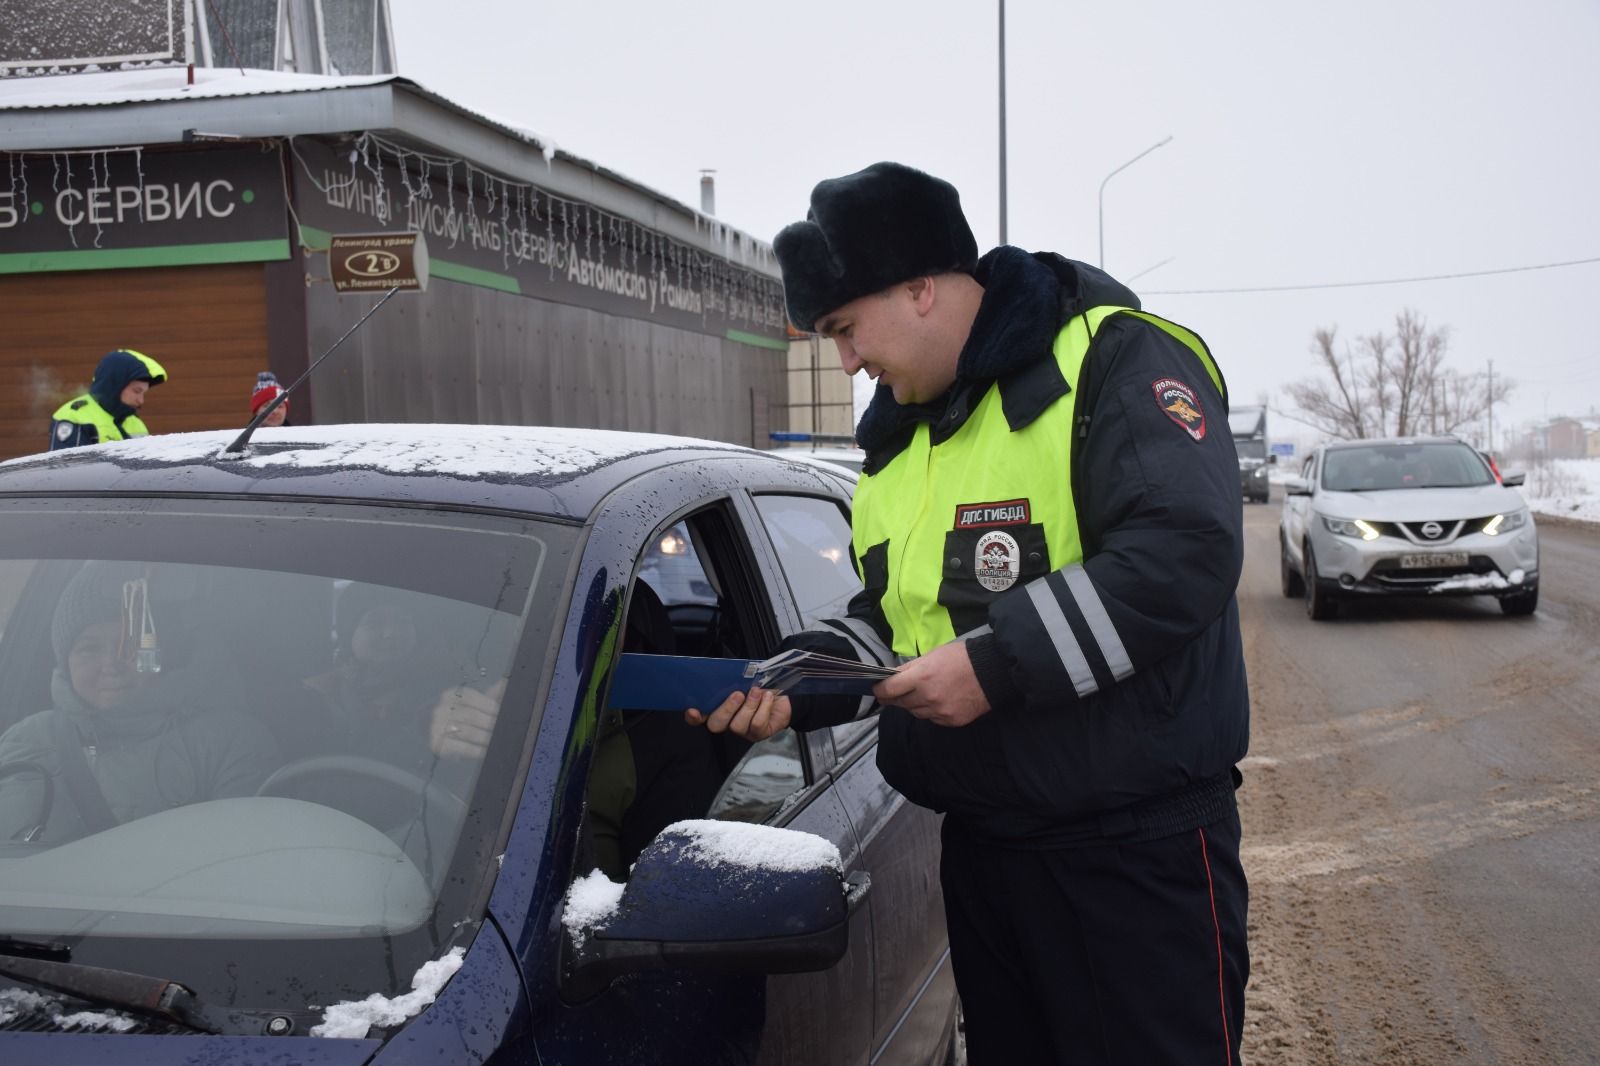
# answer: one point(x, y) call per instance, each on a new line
point(757, 340)
point(120, 258)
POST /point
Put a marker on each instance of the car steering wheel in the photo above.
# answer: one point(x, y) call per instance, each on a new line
point(434, 797)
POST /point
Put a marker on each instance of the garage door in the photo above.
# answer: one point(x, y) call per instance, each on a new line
point(205, 324)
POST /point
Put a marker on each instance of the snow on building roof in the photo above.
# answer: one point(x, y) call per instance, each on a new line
point(93, 88)
point(135, 87)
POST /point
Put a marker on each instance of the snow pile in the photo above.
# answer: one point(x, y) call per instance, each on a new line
point(351, 1020)
point(591, 901)
point(1564, 488)
point(17, 1003)
point(1473, 583)
point(756, 846)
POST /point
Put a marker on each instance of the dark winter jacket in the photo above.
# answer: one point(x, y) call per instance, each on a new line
point(1161, 519)
point(146, 756)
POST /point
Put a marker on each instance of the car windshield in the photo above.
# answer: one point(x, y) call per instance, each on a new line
point(1251, 449)
point(1383, 467)
point(262, 747)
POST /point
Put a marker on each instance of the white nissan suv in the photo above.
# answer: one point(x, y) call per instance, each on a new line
point(1415, 516)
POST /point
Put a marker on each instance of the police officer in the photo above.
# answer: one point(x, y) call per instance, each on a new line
point(110, 409)
point(1049, 532)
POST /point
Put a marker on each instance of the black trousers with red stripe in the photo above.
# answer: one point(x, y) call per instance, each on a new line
point(1119, 953)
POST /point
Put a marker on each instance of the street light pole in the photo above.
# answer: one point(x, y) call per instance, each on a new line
point(1002, 121)
point(1108, 177)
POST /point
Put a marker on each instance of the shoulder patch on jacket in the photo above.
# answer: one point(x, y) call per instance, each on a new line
point(1179, 403)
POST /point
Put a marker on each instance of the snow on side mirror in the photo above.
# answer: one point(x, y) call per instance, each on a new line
point(723, 897)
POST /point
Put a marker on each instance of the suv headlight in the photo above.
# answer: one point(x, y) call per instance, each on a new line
point(1351, 527)
point(1505, 523)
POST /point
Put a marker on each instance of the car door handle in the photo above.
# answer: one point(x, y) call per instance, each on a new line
point(856, 887)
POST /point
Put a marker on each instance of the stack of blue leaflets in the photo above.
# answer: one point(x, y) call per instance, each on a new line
point(676, 682)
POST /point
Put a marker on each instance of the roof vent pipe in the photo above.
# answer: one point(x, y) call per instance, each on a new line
point(708, 193)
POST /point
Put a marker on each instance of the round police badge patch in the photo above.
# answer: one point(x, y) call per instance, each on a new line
point(1179, 403)
point(64, 431)
point(998, 561)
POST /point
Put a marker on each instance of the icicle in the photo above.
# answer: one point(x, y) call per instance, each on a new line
point(550, 233)
point(505, 223)
point(450, 191)
point(138, 166)
point(72, 227)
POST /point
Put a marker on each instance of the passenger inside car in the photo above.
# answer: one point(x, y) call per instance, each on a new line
point(396, 691)
point(650, 769)
point(128, 733)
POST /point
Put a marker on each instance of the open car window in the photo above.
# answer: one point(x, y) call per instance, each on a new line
point(811, 537)
point(695, 593)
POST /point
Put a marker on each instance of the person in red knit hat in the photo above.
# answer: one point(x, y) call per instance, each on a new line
point(267, 389)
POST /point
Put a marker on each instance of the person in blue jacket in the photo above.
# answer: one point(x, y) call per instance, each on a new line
point(110, 409)
point(1049, 533)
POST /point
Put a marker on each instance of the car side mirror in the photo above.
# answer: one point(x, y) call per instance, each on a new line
point(1272, 459)
point(1513, 478)
point(693, 904)
point(1297, 486)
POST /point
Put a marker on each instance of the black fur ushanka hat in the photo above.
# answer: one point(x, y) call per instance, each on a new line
point(867, 231)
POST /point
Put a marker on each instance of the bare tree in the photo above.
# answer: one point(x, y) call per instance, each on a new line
point(1393, 384)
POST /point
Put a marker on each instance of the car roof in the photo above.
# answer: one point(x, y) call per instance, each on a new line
point(832, 459)
point(1336, 445)
point(543, 470)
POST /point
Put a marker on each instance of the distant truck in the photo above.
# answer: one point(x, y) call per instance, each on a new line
point(1249, 426)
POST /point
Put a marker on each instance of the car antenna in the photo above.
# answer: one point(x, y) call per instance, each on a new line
point(236, 449)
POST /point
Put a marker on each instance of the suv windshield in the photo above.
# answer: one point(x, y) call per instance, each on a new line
point(264, 749)
point(1380, 467)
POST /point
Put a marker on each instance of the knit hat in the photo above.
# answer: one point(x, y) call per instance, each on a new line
point(93, 595)
point(867, 231)
point(267, 389)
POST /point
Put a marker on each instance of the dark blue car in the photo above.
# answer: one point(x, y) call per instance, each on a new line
point(306, 757)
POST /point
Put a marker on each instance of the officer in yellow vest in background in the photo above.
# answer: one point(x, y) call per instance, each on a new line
point(1049, 533)
point(110, 409)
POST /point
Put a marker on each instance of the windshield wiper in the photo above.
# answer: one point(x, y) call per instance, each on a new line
point(137, 992)
point(35, 949)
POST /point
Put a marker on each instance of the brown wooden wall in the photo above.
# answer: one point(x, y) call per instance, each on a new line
point(205, 324)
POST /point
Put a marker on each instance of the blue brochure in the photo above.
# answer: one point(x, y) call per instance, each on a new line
point(675, 682)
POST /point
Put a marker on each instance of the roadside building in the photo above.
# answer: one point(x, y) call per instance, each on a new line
point(192, 222)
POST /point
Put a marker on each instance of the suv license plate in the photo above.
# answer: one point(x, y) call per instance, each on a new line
point(1433, 560)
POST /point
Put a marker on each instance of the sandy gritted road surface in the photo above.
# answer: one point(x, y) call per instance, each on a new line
point(1422, 821)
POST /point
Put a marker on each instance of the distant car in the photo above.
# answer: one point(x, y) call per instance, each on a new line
point(317, 919)
point(1412, 517)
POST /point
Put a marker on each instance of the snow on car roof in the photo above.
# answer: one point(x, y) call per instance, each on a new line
point(462, 451)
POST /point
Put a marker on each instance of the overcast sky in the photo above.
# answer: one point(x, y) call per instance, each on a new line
point(1344, 142)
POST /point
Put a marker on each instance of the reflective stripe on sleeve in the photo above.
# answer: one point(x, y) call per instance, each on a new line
point(1060, 633)
point(1094, 612)
point(870, 647)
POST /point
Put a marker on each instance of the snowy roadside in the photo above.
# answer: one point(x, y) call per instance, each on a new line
point(1566, 489)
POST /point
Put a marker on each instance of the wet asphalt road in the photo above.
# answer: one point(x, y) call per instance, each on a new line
point(1422, 821)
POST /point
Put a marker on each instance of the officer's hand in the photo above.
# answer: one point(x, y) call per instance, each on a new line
point(755, 715)
point(463, 719)
point(939, 686)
